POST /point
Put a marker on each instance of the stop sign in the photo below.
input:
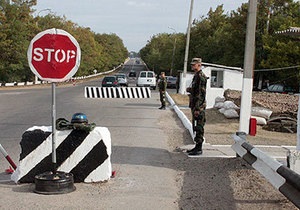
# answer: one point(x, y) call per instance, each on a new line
point(54, 55)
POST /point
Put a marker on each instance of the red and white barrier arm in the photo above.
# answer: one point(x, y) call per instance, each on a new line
point(2, 150)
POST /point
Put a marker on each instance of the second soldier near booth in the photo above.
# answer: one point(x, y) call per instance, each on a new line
point(197, 104)
point(162, 86)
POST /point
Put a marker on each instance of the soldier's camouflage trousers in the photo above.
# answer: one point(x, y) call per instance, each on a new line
point(162, 98)
point(198, 126)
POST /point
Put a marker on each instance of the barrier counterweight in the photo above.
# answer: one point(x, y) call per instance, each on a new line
point(85, 155)
point(280, 176)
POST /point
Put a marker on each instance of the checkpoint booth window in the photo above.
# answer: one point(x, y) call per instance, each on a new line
point(217, 78)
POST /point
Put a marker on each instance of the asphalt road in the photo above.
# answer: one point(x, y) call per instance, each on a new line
point(140, 158)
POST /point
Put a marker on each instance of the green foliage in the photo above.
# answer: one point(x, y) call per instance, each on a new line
point(279, 50)
point(158, 53)
point(18, 27)
point(15, 25)
point(113, 49)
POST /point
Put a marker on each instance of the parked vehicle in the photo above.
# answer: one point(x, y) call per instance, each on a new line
point(280, 88)
point(122, 79)
point(132, 74)
point(110, 81)
point(146, 79)
point(171, 82)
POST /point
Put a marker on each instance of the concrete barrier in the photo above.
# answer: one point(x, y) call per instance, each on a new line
point(9, 84)
point(281, 177)
point(84, 154)
point(185, 121)
point(117, 92)
point(20, 83)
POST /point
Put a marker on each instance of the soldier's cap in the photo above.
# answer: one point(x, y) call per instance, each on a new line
point(162, 72)
point(196, 60)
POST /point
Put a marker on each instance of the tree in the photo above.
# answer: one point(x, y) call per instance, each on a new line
point(280, 50)
point(15, 24)
point(220, 38)
point(158, 52)
point(18, 27)
point(113, 47)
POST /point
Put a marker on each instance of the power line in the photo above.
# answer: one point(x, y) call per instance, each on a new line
point(278, 69)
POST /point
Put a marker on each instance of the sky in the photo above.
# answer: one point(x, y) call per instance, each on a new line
point(134, 21)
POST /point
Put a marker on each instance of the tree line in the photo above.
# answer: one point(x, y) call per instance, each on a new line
point(219, 38)
point(18, 26)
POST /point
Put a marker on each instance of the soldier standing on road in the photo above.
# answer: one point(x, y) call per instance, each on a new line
point(162, 86)
point(198, 104)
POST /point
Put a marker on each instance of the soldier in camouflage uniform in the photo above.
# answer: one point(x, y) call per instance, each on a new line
point(198, 104)
point(162, 86)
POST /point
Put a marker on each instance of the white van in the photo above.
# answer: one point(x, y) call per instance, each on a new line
point(146, 79)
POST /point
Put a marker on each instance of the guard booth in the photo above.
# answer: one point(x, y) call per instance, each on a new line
point(219, 79)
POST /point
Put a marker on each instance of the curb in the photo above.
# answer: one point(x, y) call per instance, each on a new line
point(186, 122)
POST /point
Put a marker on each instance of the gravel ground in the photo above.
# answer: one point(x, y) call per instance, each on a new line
point(222, 183)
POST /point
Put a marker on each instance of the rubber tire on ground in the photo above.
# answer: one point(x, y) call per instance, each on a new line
point(54, 183)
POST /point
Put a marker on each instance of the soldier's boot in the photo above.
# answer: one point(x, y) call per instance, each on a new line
point(191, 150)
point(162, 107)
point(195, 147)
point(197, 150)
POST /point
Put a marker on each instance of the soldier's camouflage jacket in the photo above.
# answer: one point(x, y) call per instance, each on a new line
point(198, 92)
point(162, 85)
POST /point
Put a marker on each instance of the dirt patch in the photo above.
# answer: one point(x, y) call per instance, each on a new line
point(180, 99)
point(219, 129)
point(221, 183)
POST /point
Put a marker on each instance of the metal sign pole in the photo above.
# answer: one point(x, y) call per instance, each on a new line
point(53, 129)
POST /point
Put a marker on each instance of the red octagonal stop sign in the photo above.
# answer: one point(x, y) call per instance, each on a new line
point(54, 55)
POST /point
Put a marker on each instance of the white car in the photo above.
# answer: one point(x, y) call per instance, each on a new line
point(122, 79)
point(146, 79)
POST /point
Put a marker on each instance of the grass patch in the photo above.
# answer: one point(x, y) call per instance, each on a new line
point(180, 99)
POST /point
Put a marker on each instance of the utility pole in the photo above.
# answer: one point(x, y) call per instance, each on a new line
point(174, 49)
point(249, 56)
point(182, 88)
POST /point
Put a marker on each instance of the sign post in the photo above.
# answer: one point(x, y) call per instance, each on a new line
point(53, 56)
point(53, 128)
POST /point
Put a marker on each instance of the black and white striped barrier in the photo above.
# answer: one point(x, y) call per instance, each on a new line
point(280, 176)
point(85, 155)
point(117, 92)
